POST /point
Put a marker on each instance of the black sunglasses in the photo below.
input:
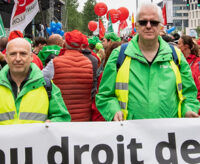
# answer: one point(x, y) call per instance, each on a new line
point(152, 22)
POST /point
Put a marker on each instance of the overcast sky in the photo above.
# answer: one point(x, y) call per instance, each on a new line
point(115, 4)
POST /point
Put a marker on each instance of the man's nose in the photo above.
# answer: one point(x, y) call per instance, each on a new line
point(18, 57)
point(148, 24)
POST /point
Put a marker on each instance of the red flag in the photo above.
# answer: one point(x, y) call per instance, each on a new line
point(101, 29)
point(122, 25)
point(133, 24)
point(164, 14)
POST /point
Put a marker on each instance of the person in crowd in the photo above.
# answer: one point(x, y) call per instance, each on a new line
point(3, 43)
point(49, 58)
point(109, 38)
point(17, 34)
point(72, 72)
point(191, 52)
point(23, 97)
point(96, 115)
point(54, 45)
point(86, 52)
point(100, 52)
point(175, 37)
point(92, 43)
point(38, 44)
point(145, 86)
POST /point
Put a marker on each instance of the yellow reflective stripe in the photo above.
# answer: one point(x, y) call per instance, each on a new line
point(122, 104)
point(122, 86)
point(32, 116)
point(7, 116)
point(178, 81)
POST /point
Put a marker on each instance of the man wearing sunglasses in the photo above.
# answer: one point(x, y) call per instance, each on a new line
point(145, 84)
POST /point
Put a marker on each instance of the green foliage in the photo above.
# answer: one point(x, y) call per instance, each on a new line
point(88, 14)
point(73, 19)
point(198, 30)
point(79, 20)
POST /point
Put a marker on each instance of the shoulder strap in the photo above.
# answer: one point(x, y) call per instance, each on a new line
point(122, 55)
point(175, 56)
point(48, 86)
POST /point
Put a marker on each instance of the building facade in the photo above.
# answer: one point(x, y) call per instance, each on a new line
point(180, 14)
point(194, 14)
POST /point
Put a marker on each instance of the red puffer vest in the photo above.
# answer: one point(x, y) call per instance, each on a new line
point(74, 76)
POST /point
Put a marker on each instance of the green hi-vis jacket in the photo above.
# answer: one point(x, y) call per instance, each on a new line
point(32, 104)
point(152, 89)
point(48, 50)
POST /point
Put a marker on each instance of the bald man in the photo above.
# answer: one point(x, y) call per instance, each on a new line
point(23, 97)
point(54, 44)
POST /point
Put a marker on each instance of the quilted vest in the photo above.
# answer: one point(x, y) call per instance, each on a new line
point(74, 76)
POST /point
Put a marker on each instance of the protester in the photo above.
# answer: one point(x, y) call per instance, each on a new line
point(3, 43)
point(191, 52)
point(38, 44)
point(109, 38)
point(92, 43)
point(23, 97)
point(145, 84)
point(100, 51)
point(96, 115)
point(72, 72)
point(54, 45)
point(86, 52)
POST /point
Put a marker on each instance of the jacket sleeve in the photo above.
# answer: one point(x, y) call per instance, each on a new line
point(189, 89)
point(57, 110)
point(196, 75)
point(106, 100)
point(48, 71)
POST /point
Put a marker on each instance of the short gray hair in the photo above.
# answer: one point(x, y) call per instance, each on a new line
point(150, 5)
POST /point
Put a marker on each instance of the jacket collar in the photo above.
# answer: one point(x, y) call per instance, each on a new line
point(133, 50)
point(34, 75)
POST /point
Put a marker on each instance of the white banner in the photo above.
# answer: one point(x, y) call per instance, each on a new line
point(23, 13)
point(157, 141)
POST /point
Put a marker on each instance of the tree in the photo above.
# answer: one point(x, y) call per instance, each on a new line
point(88, 14)
point(198, 30)
point(73, 19)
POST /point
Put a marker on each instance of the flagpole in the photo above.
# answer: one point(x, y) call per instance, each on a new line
point(136, 6)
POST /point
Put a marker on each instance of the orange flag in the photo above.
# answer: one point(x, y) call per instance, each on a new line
point(133, 24)
point(102, 29)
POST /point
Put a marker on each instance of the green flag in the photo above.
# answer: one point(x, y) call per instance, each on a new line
point(110, 27)
point(2, 30)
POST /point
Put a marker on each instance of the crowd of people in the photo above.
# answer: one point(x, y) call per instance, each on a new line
point(80, 78)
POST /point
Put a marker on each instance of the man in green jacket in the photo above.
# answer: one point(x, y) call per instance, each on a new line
point(23, 97)
point(145, 84)
point(54, 45)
